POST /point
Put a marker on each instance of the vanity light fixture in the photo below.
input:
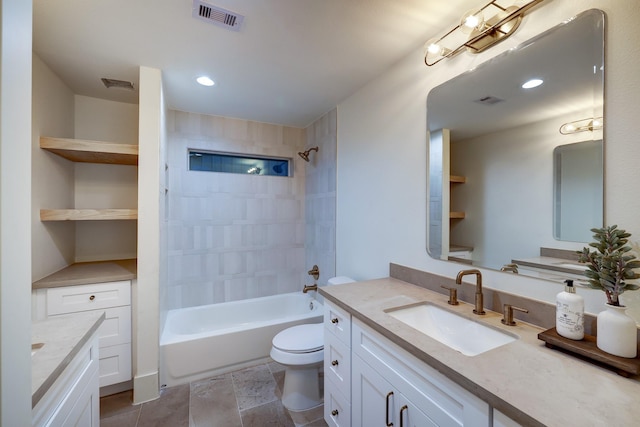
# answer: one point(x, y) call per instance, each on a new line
point(583, 125)
point(476, 32)
point(205, 81)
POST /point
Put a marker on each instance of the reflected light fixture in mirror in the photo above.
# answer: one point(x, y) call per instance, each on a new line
point(475, 33)
point(589, 124)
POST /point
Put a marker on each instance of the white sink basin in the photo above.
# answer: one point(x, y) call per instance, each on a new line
point(459, 333)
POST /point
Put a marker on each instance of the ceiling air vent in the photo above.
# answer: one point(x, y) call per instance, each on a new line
point(217, 15)
point(488, 100)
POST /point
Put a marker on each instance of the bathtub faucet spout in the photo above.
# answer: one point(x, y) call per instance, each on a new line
point(308, 288)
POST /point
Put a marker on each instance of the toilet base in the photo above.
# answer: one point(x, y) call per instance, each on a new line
point(301, 388)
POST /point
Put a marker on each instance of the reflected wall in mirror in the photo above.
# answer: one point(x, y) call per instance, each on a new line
point(577, 190)
point(497, 140)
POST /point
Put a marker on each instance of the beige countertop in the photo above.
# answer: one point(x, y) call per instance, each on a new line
point(62, 336)
point(84, 273)
point(527, 381)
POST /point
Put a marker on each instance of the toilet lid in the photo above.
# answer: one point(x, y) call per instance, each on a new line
point(300, 339)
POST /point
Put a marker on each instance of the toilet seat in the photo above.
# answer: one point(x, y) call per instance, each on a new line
point(300, 339)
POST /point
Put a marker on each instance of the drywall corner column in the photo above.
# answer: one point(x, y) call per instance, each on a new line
point(15, 212)
point(145, 290)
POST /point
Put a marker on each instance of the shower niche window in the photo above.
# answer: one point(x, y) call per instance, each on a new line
point(239, 163)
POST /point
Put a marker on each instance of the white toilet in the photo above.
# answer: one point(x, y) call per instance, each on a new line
point(301, 350)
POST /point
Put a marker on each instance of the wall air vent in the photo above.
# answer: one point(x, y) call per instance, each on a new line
point(217, 15)
point(488, 100)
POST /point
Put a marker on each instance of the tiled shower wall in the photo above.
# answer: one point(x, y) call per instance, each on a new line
point(232, 236)
point(320, 201)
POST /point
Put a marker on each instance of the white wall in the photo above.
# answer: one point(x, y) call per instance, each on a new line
point(53, 177)
point(15, 201)
point(382, 152)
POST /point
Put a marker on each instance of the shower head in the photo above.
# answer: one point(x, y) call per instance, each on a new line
point(305, 155)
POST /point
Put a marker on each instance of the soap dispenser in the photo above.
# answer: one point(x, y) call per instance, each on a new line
point(570, 313)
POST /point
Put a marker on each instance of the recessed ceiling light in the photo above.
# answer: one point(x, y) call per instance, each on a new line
point(205, 81)
point(532, 83)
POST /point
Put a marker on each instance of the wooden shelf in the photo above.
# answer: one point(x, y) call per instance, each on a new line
point(85, 151)
point(456, 179)
point(456, 215)
point(87, 214)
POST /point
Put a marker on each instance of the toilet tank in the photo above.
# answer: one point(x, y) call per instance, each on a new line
point(340, 280)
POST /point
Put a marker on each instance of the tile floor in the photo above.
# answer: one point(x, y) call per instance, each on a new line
point(246, 398)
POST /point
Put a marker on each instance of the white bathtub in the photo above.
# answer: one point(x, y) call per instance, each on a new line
point(199, 342)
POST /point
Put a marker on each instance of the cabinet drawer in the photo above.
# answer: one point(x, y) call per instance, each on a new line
point(337, 410)
point(338, 322)
point(116, 328)
point(115, 364)
point(337, 363)
point(71, 299)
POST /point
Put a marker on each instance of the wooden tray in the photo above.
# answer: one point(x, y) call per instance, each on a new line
point(588, 350)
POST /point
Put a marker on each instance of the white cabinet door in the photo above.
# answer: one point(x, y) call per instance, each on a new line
point(438, 397)
point(377, 403)
point(410, 416)
point(373, 399)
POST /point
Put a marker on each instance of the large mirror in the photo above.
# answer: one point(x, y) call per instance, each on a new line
point(495, 194)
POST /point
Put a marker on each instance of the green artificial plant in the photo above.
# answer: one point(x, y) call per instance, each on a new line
point(611, 264)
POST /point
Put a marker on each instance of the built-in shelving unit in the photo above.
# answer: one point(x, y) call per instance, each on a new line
point(457, 179)
point(87, 214)
point(85, 151)
point(78, 150)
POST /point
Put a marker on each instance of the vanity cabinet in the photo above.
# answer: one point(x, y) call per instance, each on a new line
point(73, 399)
point(371, 381)
point(385, 375)
point(114, 298)
point(337, 366)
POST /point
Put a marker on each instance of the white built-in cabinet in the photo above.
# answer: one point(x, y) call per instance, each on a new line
point(114, 298)
point(73, 399)
point(337, 366)
point(371, 381)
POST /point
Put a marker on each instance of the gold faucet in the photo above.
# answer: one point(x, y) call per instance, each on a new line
point(308, 288)
point(479, 298)
point(510, 267)
point(315, 272)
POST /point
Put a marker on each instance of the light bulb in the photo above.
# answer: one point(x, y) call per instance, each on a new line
point(472, 20)
point(433, 48)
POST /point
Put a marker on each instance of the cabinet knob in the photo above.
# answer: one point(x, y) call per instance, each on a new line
point(334, 320)
point(334, 412)
point(92, 297)
point(334, 363)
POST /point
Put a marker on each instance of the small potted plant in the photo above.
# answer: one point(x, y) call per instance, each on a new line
point(610, 268)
